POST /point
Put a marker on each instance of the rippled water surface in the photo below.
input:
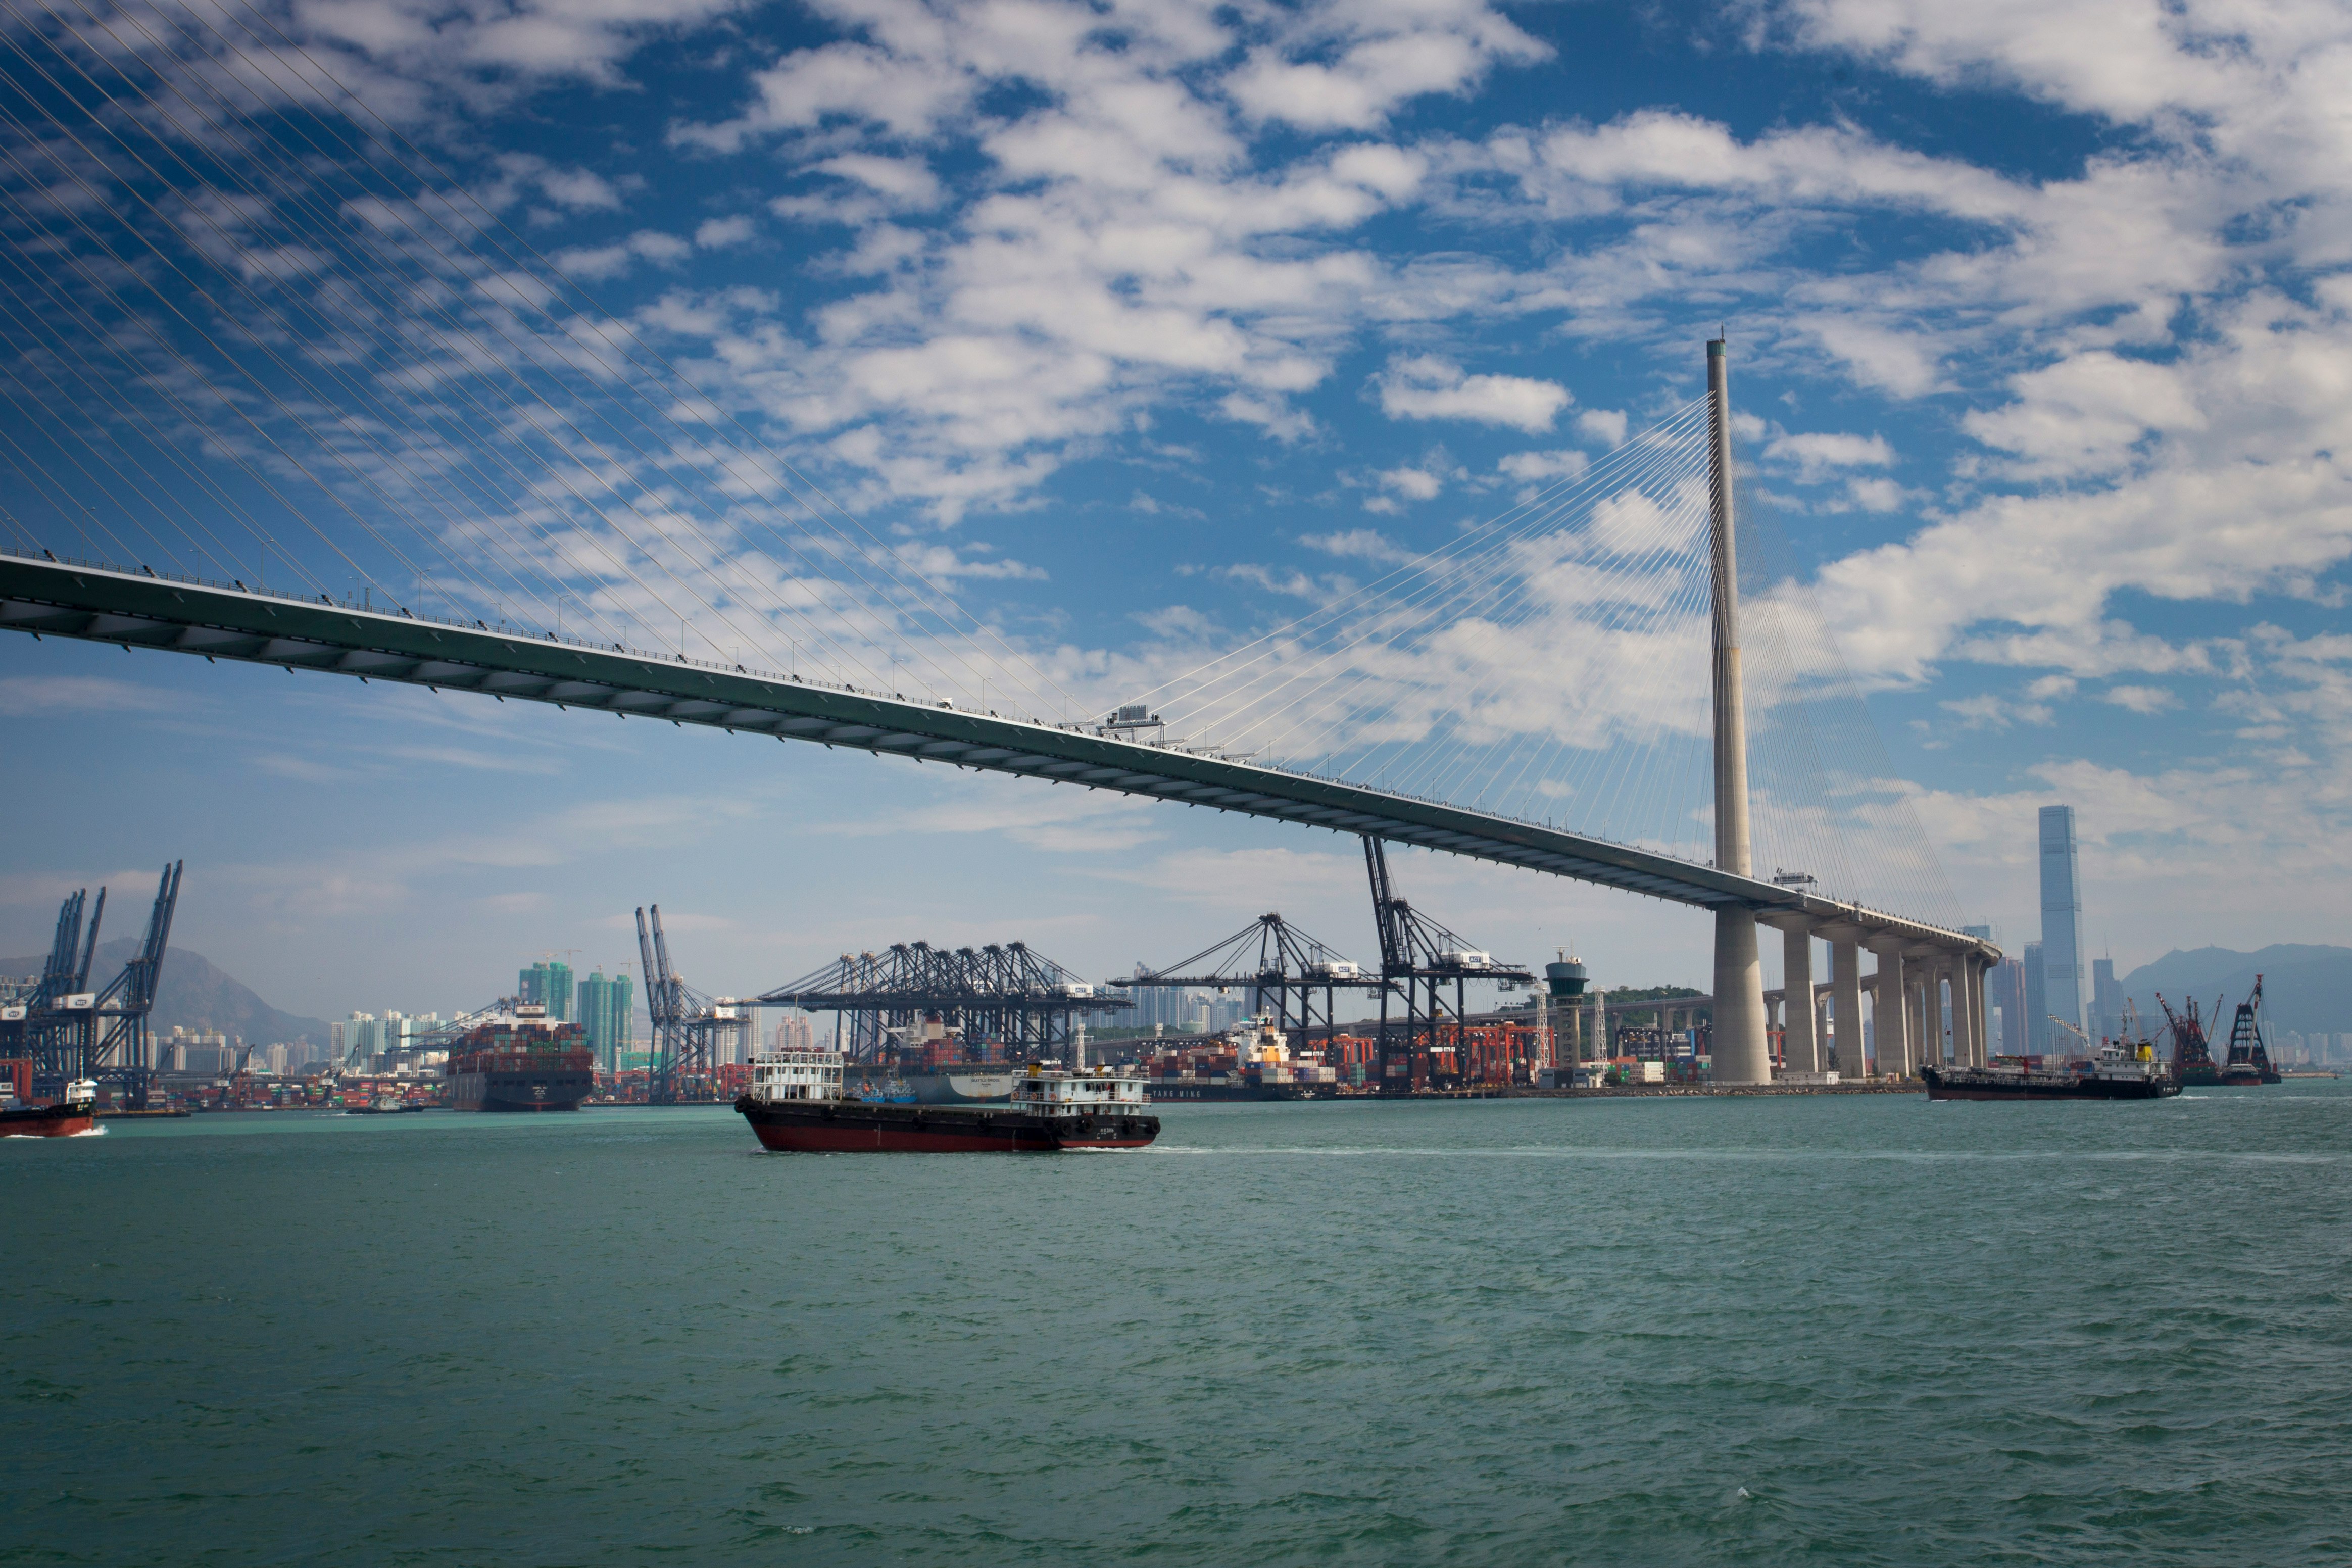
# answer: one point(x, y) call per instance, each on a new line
point(1831, 1330)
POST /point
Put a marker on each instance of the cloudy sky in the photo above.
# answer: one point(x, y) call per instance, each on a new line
point(1125, 323)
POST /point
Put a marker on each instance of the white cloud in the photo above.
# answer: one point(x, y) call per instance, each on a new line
point(2141, 699)
point(1816, 454)
point(1606, 426)
point(1413, 484)
point(1535, 466)
point(595, 264)
point(1428, 387)
point(60, 698)
point(1359, 544)
point(1374, 59)
point(713, 234)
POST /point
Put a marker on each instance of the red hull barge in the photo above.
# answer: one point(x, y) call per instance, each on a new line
point(75, 1113)
point(852, 1127)
point(46, 1121)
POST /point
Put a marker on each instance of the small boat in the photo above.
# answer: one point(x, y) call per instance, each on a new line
point(68, 1118)
point(795, 1106)
point(2117, 1072)
point(383, 1105)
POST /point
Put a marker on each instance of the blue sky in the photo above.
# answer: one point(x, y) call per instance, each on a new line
point(1107, 315)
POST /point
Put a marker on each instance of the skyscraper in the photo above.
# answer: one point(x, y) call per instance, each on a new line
point(2061, 922)
point(607, 1019)
point(2037, 1003)
point(2006, 989)
point(549, 984)
point(2106, 1001)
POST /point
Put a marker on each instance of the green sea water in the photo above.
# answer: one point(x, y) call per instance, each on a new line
point(1823, 1331)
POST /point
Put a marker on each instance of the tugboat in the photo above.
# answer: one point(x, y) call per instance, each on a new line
point(2118, 1072)
point(383, 1105)
point(75, 1114)
point(795, 1106)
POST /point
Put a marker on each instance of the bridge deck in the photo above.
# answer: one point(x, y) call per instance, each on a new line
point(70, 599)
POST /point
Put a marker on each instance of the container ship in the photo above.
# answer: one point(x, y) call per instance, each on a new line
point(20, 1118)
point(520, 1062)
point(795, 1106)
point(2117, 1072)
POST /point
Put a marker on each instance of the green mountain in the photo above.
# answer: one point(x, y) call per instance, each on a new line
point(2305, 987)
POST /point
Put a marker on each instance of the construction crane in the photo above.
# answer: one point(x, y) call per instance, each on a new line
point(2248, 1061)
point(2192, 1052)
point(1274, 959)
point(1417, 957)
point(688, 1025)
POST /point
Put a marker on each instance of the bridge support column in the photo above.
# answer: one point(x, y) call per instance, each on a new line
point(1977, 1021)
point(1740, 1054)
point(1800, 1048)
point(1960, 970)
point(1846, 1004)
point(1889, 1015)
point(1923, 1041)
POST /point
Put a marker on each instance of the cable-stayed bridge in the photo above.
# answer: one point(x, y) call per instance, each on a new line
point(252, 334)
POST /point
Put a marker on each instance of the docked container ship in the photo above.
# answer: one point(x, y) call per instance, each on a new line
point(520, 1062)
point(795, 1106)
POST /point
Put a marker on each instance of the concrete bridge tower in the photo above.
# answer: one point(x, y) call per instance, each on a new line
point(1740, 1054)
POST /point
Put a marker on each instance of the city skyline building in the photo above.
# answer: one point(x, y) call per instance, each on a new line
point(548, 982)
point(2037, 1003)
point(2106, 1001)
point(2062, 927)
point(607, 1018)
point(2005, 1005)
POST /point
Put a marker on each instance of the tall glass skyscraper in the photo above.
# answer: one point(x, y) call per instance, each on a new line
point(607, 1019)
point(549, 984)
point(2062, 927)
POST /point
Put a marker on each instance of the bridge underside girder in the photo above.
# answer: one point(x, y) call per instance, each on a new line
point(136, 610)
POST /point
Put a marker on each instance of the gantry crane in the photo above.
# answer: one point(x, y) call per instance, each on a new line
point(688, 1025)
point(1417, 957)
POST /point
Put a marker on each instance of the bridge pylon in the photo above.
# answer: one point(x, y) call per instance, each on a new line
point(1739, 1052)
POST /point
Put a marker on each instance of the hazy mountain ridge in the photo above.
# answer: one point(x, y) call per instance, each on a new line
point(192, 994)
point(2305, 987)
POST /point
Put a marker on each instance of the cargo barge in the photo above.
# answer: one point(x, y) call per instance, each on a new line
point(520, 1062)
point(795, 1106)
point(2117, 1072)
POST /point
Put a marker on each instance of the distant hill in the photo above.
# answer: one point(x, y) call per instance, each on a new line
point(2304, 988)
point(194, 996)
